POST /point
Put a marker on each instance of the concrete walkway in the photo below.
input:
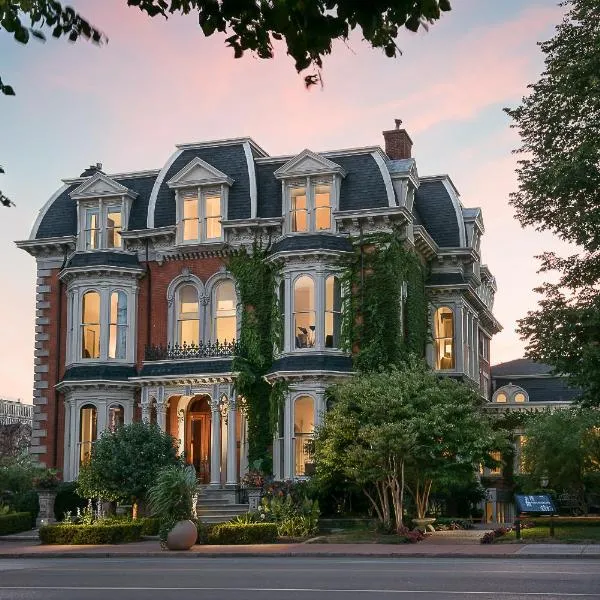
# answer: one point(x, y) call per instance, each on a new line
point(430, 548)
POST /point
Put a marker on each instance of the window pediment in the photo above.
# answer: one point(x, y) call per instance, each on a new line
point(308, 163)
point(198, 173)
point(101, 186)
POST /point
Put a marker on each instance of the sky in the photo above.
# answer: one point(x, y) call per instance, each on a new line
point(158, 83)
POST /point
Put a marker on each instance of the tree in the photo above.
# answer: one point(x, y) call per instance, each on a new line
point(14, 439)
point(400, 430)
point(563, 447)
point(307, 27)
point(125, 463)
point(559, 179)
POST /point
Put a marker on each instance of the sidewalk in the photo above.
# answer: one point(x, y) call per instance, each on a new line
point(151, 549)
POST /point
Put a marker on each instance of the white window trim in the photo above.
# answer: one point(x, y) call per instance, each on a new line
point(201, 192)
point(102, 206)
point(309, 183)
point(74, 322)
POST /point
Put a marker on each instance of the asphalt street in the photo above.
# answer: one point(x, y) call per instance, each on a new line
point(297, 579)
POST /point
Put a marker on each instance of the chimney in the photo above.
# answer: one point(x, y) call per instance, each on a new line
point(398, 144)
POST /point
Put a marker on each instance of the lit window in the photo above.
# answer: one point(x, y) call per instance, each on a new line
point(225, 313)
point(444, 338)
point(299, 209)
point(201, 215)
point(310, 207)
point(304, 312)
point(520, 463)
point(90, 325)
point(102, 226)
point(188, 316)
point(88, 431)
point(333, 312)
point(501, 397)
point(282, 317)
point(304, 425)
point(497, 470)
point(519, 397)
point(116, 416)
point(117, 342)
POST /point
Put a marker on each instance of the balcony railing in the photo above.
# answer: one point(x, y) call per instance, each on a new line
point(202, 350)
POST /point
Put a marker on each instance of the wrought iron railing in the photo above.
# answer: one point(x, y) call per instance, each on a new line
point(201, 350)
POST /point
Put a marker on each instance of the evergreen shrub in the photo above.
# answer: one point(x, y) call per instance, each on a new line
point(241, 533)
point(113, 533)
point(15, 523)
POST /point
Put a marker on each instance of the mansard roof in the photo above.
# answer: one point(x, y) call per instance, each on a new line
point(103, 258)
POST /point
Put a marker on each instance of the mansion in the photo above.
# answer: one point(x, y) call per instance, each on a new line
point(138, 315)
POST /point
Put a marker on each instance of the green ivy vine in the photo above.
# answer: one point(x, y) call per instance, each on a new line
point(374, 310)
point(260, 332)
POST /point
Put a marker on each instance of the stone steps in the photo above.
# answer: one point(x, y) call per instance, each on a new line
point(218, 506)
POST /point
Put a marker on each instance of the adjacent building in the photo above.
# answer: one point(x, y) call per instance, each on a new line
point(137, 313)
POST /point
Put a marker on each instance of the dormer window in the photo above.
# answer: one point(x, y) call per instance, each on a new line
point(311, 189)
point(201, 191)
point(102, 226)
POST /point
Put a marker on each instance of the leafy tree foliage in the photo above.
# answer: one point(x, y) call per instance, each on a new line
point(559, 179)
point(399, 430)
point(564, 447)
point(125, 463)
point(307, 27)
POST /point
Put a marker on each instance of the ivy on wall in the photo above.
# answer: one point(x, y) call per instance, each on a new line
point(260, 331)
point(380, 326)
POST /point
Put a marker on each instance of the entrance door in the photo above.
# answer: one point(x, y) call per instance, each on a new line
point(198, 438)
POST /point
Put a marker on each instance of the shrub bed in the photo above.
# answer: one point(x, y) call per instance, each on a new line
point(113, 533)
point(246, 533)
point(15, 523)
point(451, 523)
point(150, 525)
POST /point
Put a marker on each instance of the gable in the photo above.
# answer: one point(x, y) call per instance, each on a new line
point(100, 186)
point(198, 172)
point(308, 163)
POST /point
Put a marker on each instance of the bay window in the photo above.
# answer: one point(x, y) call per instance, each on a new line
point(333, 311)
point(88, 431)
point(443, 322)
point(117, 342)
point(304, 312)
point(304, 426)
point(90, 325)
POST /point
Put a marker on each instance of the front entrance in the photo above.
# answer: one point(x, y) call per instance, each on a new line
point(197, 437)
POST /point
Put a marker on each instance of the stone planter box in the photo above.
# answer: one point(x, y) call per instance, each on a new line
point(46, 514)
point(254, 495)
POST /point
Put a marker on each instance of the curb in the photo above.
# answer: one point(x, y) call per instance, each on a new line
point(198, 555)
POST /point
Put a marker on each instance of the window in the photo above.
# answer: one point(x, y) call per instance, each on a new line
point(201, 215)
point(104, 326)
point(501, 397)
point(116, 416)
point(444, 338)
point(281, 337)
point(304, 425)
point(225, 312)
point(310, 207)
point(117, 342)
point(304, 312)
point(333, 312)
point(497, 470)
point(102, 225)
point(88, 431)
point(520, 397)
point(188, 316)
point(90, 325)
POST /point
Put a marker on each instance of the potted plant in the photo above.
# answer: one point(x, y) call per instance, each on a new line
point(172, 498)
point(45, 482)
point(253, 482)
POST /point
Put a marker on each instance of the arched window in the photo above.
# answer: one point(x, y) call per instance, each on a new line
point(282, 335)
point(117, 341)
point(88, 431)
point(116, 416)
point(333, 312)
point(520, 397)
point(90, 325)
point(444, 338)
point(225, 315)
point(304, 312)
point(188, 316)
point(501, 397)
point(304, 426)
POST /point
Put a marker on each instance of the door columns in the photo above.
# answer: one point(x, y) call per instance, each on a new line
point(215, 443)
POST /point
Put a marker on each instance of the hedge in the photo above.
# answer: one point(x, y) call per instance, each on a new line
point(242, 533)
point(114, 533)
point(150, 525)
point(15, 523)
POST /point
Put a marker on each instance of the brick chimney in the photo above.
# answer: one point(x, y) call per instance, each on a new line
point(398, 144)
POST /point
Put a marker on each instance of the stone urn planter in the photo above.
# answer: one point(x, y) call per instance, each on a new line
point(425, 524)
point(183, 536)
point(46, 514)
point(254, 495)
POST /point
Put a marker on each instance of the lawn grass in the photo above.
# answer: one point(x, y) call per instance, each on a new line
point(571, 534)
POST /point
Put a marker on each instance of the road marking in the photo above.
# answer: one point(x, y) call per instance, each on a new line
point(301, 590)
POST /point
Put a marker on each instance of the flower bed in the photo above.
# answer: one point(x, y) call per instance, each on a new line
point(113, 533)
point(15, 523)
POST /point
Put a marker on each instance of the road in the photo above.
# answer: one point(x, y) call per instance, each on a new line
point(297, 579)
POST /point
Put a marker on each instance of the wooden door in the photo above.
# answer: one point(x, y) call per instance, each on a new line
point(198, 446)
